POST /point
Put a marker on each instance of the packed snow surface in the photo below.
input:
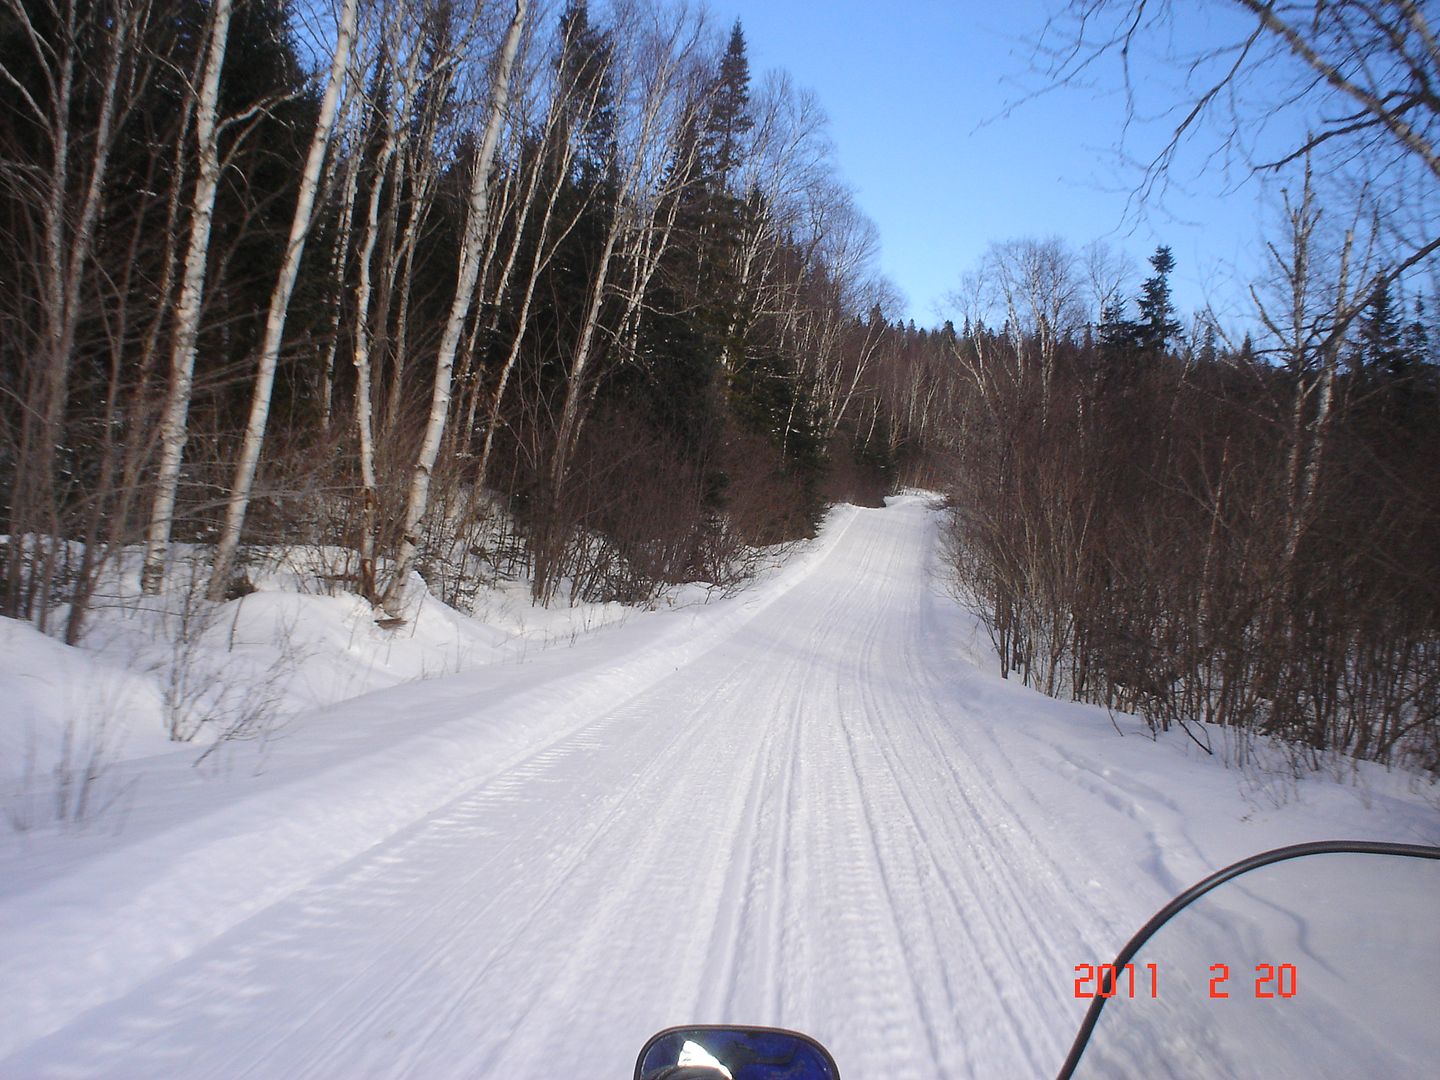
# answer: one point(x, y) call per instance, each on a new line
point(813, 805)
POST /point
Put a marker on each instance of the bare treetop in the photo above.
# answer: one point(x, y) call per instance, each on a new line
point(1268, 84)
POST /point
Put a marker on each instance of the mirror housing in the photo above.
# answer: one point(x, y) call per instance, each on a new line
point(719, 1052)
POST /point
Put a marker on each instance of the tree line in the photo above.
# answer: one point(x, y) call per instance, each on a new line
point(455, 288)
point(1202, 531)
point(375, 275)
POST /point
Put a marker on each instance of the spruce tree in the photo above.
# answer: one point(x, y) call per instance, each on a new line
point(728, 119)
point(1208, 352)
point(698, 306)
point(693, 312)
point(1157, 323)
point(1382, 350)
point(1417, 336)
point(587, 82)
point(1117, 334)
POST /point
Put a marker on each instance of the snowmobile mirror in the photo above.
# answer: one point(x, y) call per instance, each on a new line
point(733, 1053)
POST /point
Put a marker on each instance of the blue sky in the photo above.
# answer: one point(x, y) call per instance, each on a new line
point(910, 85)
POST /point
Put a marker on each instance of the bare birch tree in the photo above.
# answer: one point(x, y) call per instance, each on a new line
point(187, 309)
point(476, 220)
point(86, 57)
point(254, 438)
point(1359, 77)
point(572, 106)
point(1310, 350)
point(652, 68)
point(340, 247)
point(1038, 289)
point(393, 119)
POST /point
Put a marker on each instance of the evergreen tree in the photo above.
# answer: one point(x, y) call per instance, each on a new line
point(771, 399)
point(716, 214)
point(1417, 336)
point(1247, 350)
point(1208, 351)
point(693, 312)
point(728, 119)
point(1117, 334)
point(587, 81)
point(1381, 348)
point(1158, 323)
point(696, 314)
point(590, 192)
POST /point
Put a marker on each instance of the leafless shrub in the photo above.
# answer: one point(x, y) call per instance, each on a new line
point(632, 519)
point(77, 790)
point(208, 693)
point(1140, 553)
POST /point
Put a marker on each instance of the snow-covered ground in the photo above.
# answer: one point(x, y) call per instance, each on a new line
point(812, 805)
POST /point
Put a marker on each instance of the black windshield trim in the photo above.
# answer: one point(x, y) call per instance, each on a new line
point(1199, 889)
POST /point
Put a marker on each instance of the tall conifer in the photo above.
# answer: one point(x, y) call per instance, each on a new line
point(1158, 323)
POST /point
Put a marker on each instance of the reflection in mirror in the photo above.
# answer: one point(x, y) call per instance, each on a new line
point(734, 1053)
point(1322, 966)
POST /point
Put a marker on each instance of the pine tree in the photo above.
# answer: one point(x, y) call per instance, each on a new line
point(695, 315)
point(589, 87)
point(1117, 334)
point(1382, 350)
point(1157, 323)
point(1417, 336)
point(728, 119)
point(1208, 351)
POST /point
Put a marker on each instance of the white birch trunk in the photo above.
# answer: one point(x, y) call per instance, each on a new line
point(337, 271)
point(173, 422)
point(364, 397)
point(539, 261)
point(667, 62)
point(476, 221)
point(244, 481)
point(470, 374)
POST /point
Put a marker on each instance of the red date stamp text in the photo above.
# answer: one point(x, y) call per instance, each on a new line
point(1143, 981)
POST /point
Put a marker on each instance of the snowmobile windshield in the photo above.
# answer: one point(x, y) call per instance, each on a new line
point(1316, 963)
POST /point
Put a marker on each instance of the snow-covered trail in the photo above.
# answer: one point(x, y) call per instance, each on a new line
point(826, 821)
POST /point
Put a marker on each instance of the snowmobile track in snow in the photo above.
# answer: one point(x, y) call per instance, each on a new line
point(825, 819)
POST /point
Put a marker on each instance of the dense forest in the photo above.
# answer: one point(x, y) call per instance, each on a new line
point(566, 292)
point(1195, 532)
point(581, 271)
